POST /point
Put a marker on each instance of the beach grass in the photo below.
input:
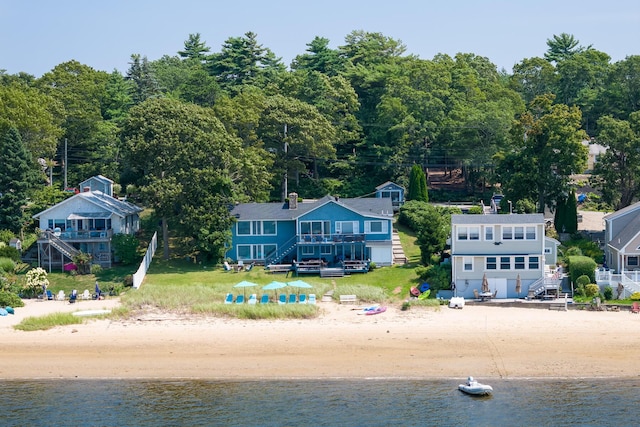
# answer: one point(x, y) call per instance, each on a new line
point(43, 323)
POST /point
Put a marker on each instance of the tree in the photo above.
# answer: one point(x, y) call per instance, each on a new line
point(566, 214)
point(533, 77)
point(319, 57)
point(16, 177)
point(145, 85)
point(562, 47)
point(194, 48)
point(546, 149)
point(189, 170)
point(617, 172)
point(417, 185)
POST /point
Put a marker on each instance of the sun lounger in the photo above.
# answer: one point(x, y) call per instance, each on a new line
point(264, 299)
point(302, 299)
point(253, 299)
point(229, 298)
point(292, 299)
point(312, 298)
point(282, 299)
point(227, 267)
point(240, 299)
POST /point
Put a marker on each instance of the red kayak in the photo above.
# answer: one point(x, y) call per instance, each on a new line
point(377, 310)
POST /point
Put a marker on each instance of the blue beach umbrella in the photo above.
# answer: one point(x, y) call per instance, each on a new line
point(244, 284)
point(299, 284)
point(275, 285)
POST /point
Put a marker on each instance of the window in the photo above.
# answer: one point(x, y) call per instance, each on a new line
point(463, 233)
point(474, 233)
point(347, 227)
point(269, 228)
point(632, 261)
point(375, 227)
point(530, 233)
point(547, 251)
point(467, 263)
point(246, 252)
point(325, 250)
point(505, 263)
point(518, 233)
point(243, 228)
point(488, 233)
point(308, 250)
point(519, 263)
point(534, 263)
point(315, 227)
point(491, 263)
point(507, 233)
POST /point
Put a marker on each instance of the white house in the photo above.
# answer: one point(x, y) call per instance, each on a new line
point(500, 247)
point(85, 222)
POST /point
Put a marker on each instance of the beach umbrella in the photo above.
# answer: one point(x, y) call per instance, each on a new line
point(518, 285)
point(299, 284)
point(275, 285)
point(485, 284)
point(244, 284)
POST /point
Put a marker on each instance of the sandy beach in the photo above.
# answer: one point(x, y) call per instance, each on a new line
point(485, 341)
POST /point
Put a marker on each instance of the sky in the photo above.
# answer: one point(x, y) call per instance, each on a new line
point(37, 35)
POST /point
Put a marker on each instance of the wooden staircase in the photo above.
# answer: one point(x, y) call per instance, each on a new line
point(398, 253)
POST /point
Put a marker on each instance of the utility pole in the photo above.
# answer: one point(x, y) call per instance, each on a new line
point(286, 177)
point(65, 164)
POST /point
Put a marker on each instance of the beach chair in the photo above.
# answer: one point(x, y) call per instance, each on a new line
point(73, 297)
point(49, 295)
point(635, 307)
point(249, 267)
point(282, 299)
point(226, 266)
point(302, 299)
point(240, 266)
point(86, 294)
point(253, 298)
point(292, 299)
point(229, 298)
point(476, 295)
point(240, 299)
point(264, 299)
point(312, 299)
point(61, 296)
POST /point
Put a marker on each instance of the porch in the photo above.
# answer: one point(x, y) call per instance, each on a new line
point(57, 248)
point(624, 284)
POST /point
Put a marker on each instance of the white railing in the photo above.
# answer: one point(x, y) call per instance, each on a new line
point(139, 275)
point(630, 281)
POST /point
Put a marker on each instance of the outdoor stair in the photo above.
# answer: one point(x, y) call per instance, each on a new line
point(398, 253)
point(63, 247)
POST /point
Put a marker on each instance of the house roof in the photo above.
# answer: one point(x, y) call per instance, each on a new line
point(389, 184)
point(103, 201)
point(492, 219)
point(366, 206)
point(622, 212)
point(627, 234)
point(101, 178)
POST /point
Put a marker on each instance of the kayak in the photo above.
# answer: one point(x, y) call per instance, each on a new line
point(377, 310)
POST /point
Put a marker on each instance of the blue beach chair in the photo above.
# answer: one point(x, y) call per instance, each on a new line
point(282, 299)
point(240, 299)
point(292, 299)
point(229, 298)
point(264, 299)
point(302, 299)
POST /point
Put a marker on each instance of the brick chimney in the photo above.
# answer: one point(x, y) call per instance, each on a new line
point(293, 200)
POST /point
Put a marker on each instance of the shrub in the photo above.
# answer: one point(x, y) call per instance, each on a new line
point(6, 236)
point(635, 296)
point(475, 210)
point(10, 299)
point(126, 248)
point(591, 290)
point(96, 269)
point(581, 265)
point(36, 280)
point(9, 252)
point(7, 265)
point(583, 280)
point(608, 292)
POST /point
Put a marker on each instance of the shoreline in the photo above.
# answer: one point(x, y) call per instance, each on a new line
point(486, 342)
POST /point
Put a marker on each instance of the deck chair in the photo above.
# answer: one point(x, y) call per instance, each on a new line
point(476, 295)
point(249, 267)
point(312, 299)
point(282, 299)
point(86, 294)
point(226, 266)
point(264, 299)
point(73, 297)
point(49, 295)
point(61, 296)
point(495, 294)
point(253, 299)
point(292, 299)
point(229, 298)
point(302, 299)
point(635, 308)
point(240, 299)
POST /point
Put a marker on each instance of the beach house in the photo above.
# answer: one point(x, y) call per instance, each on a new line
point(330, 232)
point(509, 250)
point(84, 223)
point(393, 191)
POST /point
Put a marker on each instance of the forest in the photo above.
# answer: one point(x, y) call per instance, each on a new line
point(196, 131)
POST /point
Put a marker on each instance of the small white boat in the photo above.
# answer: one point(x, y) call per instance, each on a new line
point(474, 387)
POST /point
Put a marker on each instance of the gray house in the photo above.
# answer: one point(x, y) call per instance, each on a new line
point(622, 239)
point(500, 247)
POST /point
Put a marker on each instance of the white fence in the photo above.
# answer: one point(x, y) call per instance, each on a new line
point(630, 281)
point(138, 277)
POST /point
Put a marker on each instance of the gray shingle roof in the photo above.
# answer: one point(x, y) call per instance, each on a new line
point(369, 206)
point(490, 219)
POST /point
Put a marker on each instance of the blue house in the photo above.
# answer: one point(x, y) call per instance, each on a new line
point(393, 191)
point(327, 233)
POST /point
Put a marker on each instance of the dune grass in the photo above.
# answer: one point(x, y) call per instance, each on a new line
point(43, 323)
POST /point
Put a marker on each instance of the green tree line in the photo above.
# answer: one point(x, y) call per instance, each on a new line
point(195, 131)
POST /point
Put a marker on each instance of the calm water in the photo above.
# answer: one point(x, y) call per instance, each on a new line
point(317, 403)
